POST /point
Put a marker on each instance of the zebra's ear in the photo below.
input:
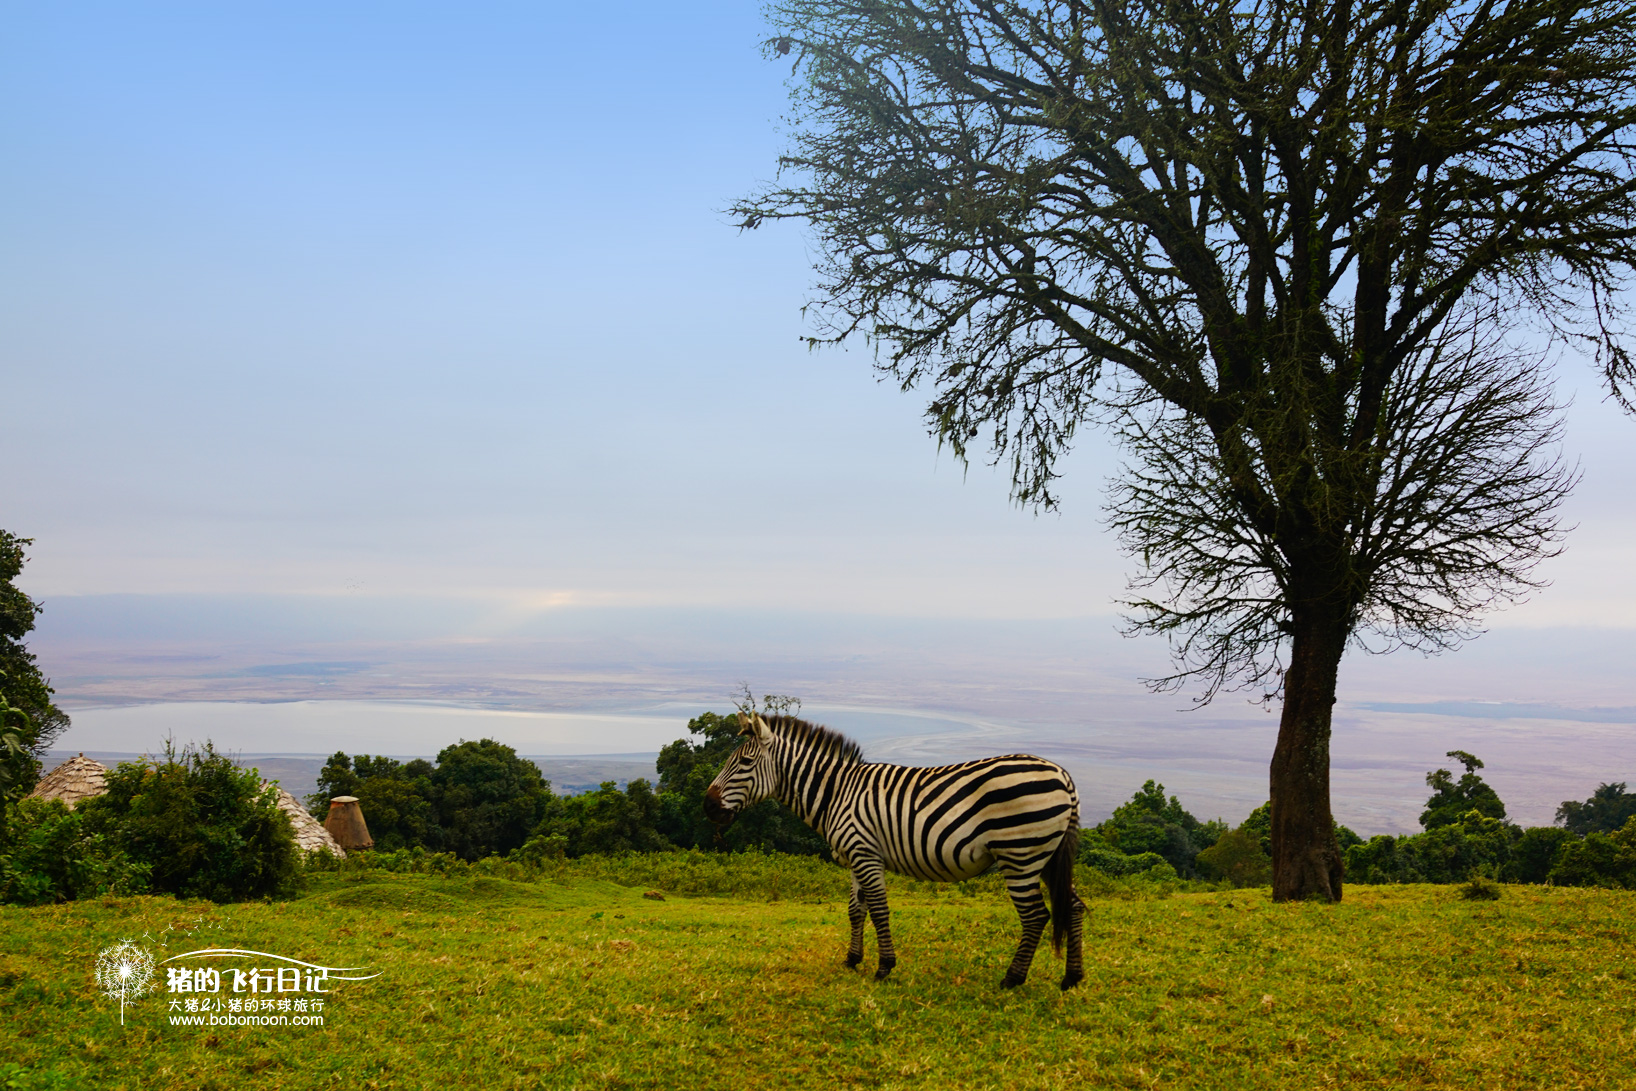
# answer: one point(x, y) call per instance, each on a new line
point(763, 732)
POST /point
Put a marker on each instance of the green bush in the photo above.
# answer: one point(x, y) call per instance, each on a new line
point(50, 857)
point(1152, 823)
point(1600, 859)
point(1534, 854)
point(1608, 808)
point(1475, 845)
point(1098, 856)
point(203, 826)
point(604, 821)
point(1237, 856)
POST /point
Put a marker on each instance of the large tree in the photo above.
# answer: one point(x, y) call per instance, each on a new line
point(1285, 250)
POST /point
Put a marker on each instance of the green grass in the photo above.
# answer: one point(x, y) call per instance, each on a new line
point(579, 981)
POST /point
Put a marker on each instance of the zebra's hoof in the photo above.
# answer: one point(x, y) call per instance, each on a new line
point(885, 968)
point(852, 961)
point(1070, 980)
point(1011, 981)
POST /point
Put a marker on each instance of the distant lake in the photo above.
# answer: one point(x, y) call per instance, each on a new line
point(409, 728)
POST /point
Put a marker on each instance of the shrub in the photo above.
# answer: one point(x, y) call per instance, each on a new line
point(205, 827)
point(1535, 853)
point(1237, 857)
point(1608, 808)
point(51, 858)
point(1097, 855)
point(1476, 845)
point(1599, 859)
point(1152, 823)
point(604, 821)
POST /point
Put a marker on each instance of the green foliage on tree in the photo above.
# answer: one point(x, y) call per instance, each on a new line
point(1150, 822)
point(29, 721)
point(1451, 800)
point(204, 827)
point(19, 769)
point(604, 821)
point(1598, 859)
point(49, 856)
point(1535, 853)
point(488, 799)
point(1452, 853)
point(1608, 808)
point(1238, 857)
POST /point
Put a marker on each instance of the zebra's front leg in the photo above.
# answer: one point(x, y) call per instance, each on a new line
point(870, 883)
point(1025, 895)
point(855, 913)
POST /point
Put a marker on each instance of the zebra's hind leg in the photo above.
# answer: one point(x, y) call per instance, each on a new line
point(855, 913)
point(870, 883)
point(1075, 971)
point(1024, 887)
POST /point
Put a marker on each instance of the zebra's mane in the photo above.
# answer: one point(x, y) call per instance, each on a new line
point(816, 737)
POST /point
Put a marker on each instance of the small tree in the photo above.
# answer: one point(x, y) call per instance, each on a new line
point(488, 799)
point(1608, 808)
point(1238, 857)
point(604, 821)
point(1452, 800)
point(1149, 822)
point(1282, 250)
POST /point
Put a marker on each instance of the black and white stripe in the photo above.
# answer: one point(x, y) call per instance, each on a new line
point(1018, 812)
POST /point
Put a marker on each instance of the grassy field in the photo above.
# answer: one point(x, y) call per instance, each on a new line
point(579, 982)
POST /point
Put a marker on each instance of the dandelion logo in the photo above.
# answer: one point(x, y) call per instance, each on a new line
point(124, 972)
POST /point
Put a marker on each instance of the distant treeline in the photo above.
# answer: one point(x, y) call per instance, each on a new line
point(480, 799)
point(194, 825)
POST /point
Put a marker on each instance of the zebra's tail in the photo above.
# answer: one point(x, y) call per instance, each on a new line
point(1059, 881)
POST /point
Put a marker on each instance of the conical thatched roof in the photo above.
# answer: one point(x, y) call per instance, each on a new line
point(76, 779)
point(345, 822)
point(309, 834)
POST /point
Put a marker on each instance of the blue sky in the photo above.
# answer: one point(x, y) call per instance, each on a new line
point(393, 298)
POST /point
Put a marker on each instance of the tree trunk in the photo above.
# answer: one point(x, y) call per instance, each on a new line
point(1306, 859)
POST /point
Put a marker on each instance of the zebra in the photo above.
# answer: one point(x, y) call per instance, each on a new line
point(945, 823)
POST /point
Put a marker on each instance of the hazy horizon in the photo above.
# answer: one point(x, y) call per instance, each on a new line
point(1552, 711)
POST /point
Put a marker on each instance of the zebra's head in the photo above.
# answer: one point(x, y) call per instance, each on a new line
point(747, 777)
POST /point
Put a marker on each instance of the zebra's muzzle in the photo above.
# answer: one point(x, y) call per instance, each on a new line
point(715, 810)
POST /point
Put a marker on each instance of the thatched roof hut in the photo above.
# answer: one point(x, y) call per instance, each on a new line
point(78, 778)
point(345, 822)
point(309, 835)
